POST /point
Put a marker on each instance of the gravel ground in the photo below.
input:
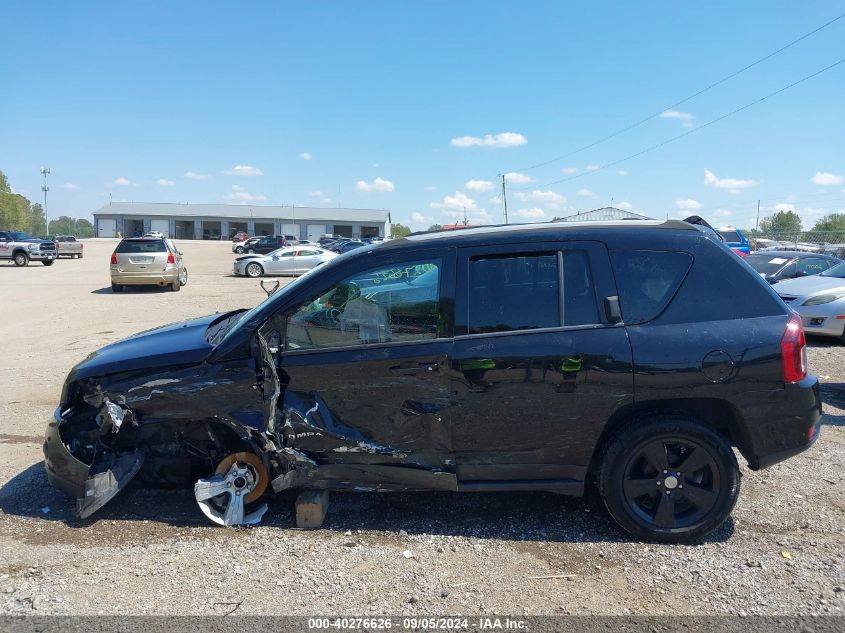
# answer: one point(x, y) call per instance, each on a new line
point(152, 552)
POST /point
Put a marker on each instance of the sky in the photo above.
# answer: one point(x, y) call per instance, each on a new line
point(419, 107)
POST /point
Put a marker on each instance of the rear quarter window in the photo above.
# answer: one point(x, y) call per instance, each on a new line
point(647, 281)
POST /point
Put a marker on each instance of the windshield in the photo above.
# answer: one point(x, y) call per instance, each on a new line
point(836, 271)
point(20, 236)
point(766, 264)
point(730, 236)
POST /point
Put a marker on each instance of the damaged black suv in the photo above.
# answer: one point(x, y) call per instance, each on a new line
point(536, 357)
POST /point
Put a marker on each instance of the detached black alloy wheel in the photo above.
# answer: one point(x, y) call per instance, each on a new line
point(669, 479)
point(21, 259)
point(254, 270)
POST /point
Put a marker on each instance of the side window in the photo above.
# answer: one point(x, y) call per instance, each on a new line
point(579, 297)
point(381, 305)
point(647, 281)
point(789, 272)
point(811, 266)
point(513, 292)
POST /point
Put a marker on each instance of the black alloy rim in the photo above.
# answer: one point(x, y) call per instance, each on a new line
point(671, 483)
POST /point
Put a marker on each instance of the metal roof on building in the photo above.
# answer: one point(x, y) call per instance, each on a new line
point(603, 214)
point(176, 209)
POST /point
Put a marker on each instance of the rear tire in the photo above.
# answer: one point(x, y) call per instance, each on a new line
point(175, 286)
point(254, 270)
point(183, 277)
point(20, 259)
point(669, 479)
point(116, 288)
point(48, 262)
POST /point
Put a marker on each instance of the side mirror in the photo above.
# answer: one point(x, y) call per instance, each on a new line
point(612, 310)
point(801, 273)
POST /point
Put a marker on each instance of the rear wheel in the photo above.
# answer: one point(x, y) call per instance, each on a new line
point(21, 259)
point(176, 286)
point(669, 479)
point(47, 262)
point(116, 288)
point(183, 277)
point(254, 270)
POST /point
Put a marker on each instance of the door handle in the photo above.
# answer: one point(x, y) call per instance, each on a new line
point(407, 369)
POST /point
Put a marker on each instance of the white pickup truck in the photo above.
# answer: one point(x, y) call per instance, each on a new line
point(21, 248)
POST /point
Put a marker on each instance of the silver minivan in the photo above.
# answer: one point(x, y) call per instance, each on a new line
point(147, 261)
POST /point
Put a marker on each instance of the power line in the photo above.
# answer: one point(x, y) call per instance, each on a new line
point(692, 131)
point(685, 99)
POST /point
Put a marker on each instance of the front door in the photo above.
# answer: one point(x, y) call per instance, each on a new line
point(537, 366)
point(365, 376)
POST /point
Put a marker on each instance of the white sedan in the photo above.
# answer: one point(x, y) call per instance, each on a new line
point(291, 260)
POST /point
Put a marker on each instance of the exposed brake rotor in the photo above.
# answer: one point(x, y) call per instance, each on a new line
point(239, 479)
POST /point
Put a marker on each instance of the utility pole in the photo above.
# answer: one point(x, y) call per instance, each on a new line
point(757, 226)
point(44, 172)
point(465, 216)
point(504, 197)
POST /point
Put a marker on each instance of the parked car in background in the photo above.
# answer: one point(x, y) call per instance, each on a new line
point(291, 240)
point(266, 244)
point(147, 261)
point(372, 240)
point(240, 236)
point(326, 240)
point(291, 260)
point(735, 239)
point(240, 247)
point(528, 357)
point(819, 299)
point(835, 250)
point(68, 246)
point(346, 246)
point(775, 266)
point(153, 234)
point(21, 247)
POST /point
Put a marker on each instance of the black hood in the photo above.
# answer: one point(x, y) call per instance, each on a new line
point(181, 343)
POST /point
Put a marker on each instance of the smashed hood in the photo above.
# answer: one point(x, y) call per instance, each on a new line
point(181, 343)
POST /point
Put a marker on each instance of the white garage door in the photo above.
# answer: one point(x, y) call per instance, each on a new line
point(315, 231)
point(161, 225)
point(290, 229)
point(106, 228)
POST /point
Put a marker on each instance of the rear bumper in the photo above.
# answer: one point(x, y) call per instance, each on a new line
point(145, 278)
point(791, 426)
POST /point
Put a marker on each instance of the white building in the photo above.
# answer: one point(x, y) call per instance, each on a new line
point(222, 221)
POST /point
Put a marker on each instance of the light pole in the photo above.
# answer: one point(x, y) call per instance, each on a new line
point(44, 172)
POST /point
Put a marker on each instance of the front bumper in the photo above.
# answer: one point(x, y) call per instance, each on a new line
point(64, 471)
point(822, 324)
point(39, 256)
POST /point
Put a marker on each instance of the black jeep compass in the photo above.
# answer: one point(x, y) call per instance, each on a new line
point(490, 359)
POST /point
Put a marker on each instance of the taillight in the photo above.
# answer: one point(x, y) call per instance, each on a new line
point(793, 351)
point(171, 259)
point(114, 259)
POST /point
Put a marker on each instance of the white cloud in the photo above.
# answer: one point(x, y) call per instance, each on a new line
point(517, 179)
point(455, 206)
point(238, 188)
point(585, 193)
point(783, 206)
point(722, 213)
point(245, 196)
point(534, 213)
point(622, 172)
point(316, 194)
point(429, 188)
point(549, 199)
point(122, 182)
point(825, 178)
point(592, 168)
point(164, 182)
point(479, 185)
point(687, 204)
point(569, 170)
point(243, 170)
point(306, 156)
point(684, 117)
point(503, 139)
point(419, 218)
point(625, 206)
point(379, 184)
point(734, 185)
point(192, 175)
point(70, 186)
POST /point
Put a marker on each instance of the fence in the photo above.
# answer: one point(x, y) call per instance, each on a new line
point(830, 242)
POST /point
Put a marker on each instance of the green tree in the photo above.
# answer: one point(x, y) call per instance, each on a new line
point(63, 225)
point(435, 227)
point(37, 221)
point(84, 228)
point(782, 223)
point(399, 230)
point(832, 222)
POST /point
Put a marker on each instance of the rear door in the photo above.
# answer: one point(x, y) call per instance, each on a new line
point(537, 366)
